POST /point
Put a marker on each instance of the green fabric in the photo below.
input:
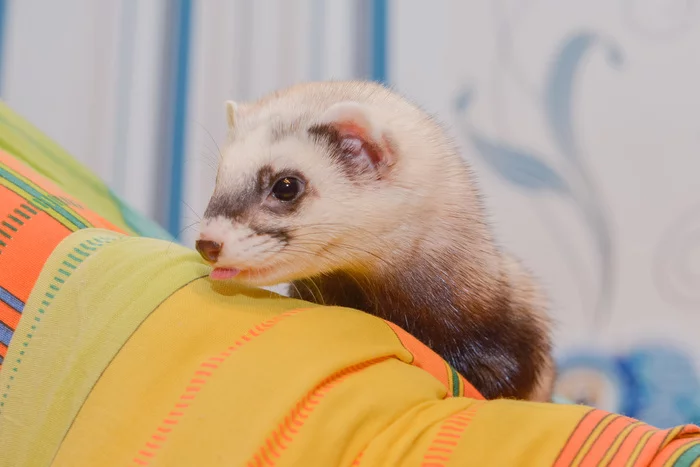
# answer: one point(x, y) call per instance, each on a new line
point(28, 144)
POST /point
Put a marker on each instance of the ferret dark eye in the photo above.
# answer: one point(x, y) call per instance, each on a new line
point(287, 188)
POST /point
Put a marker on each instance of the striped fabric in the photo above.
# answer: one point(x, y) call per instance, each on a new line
point(35, 215)
point(38, 211)
point(137, 358)
point(602, 438)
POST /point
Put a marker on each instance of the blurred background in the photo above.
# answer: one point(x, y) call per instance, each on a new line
point(580, 118)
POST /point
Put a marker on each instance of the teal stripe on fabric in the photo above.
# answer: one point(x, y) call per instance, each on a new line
point(455, 382)
point(688, 457)
point(43, 197)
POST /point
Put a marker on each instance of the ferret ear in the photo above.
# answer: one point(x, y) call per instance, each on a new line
point(350, 117)
point(358, 137)
point(233, 112)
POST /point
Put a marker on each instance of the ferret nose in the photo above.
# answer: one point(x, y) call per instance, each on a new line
point(209, 250)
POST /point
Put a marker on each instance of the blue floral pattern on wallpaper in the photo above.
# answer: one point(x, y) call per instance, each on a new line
point(530, 171)
point(656, 383)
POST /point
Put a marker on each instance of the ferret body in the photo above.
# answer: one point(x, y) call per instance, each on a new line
point(359, 199)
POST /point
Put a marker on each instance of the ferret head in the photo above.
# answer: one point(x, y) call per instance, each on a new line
point(313, 180)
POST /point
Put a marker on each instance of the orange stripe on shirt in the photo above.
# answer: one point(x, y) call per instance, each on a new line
point(593, 438)
point(448, 436)
point(426, 359)
point(611, 437)
point(9, 315)
point(26, 254)
point(649, 448)
point(579, 437)
point(623, 451)
point(151, 448)
point(284, 434)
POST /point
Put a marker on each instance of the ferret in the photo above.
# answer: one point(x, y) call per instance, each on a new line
point(358, 198)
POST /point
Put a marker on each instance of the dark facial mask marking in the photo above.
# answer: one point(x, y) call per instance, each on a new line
point(239, 205)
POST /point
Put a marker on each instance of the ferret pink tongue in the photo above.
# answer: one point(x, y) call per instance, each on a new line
point(221, 274)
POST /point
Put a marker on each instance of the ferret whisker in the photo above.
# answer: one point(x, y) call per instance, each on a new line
point(351, 275)
point(209, 163)
point(324, 239)
point(199, 218)
point(208, 156)
point(318, 289)
point(302, 254)
point(313, 294)
point(167, 250)
point(189, 226)
point(347, 247)
point(293, 284)
point(296, 254)
point(221, 157)
point(331, 224)
point(270, 249)
point(365, 287)
point(326, 225)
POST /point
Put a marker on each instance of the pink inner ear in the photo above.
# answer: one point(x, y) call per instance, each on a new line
point(351, 144)
point(360, 147)
point(358, 140)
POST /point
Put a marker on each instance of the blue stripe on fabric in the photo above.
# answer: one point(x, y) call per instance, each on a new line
point(379, 40)
point(14, 302)
point(5, 334)
point(3, 30)
point(184, 28)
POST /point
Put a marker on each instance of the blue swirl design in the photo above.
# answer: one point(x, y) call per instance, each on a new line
point(655, 383)
point(528, 171)
point(598, 379)
point(519, 167)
